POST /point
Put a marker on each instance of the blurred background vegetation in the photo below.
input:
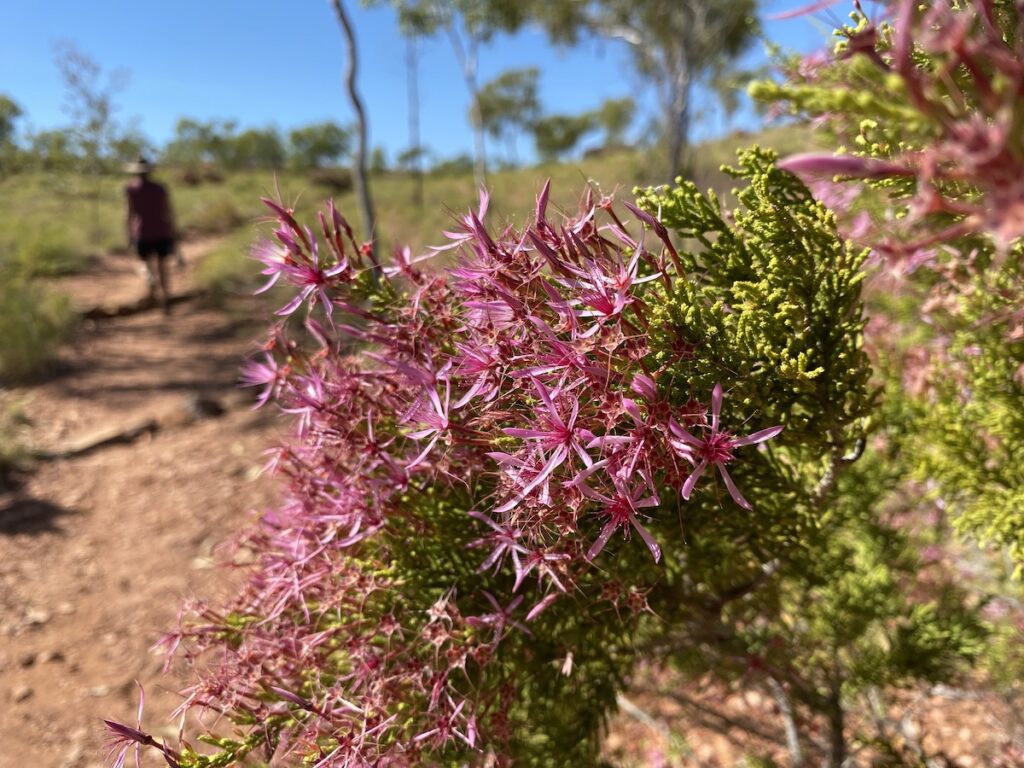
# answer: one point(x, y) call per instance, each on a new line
point(61, 189)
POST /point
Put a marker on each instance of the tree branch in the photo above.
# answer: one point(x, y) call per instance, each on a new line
point(361, 177)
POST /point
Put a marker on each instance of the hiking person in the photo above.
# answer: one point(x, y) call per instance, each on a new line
point(151, 228)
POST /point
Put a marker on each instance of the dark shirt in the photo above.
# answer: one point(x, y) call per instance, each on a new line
point(149, 211)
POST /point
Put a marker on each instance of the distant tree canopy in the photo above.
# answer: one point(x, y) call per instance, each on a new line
point(89, 102)
point(128, 143)
point(509, 105)
point(9, 114)
point(218, 142)
point(197, 141)
point(52, 150)
point(318, 145)
point(558, 135)
point(676, 44)
point(468, 24)
point(258, 148)
point(615, 116)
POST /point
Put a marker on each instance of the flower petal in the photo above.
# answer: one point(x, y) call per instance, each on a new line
point(757, 437)
point(692, 479)
point(716, 406)
point(646, 536)
point(733, 490)
point(598, 545)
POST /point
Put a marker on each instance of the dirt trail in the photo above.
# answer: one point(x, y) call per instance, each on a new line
point(96, 552)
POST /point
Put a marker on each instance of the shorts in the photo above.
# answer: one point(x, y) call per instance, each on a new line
point(159, 248)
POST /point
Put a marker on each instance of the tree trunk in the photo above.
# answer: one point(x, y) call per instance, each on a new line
point(361, 178)
point(789, 722)
point(836, 728)
point(467, 58)
point(678, 123)
point(412, 84)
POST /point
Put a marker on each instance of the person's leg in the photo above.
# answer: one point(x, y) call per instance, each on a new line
point(151, 276)
point(146, 254)
point(165, 283)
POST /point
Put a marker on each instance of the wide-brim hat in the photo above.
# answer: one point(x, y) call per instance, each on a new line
point(139, 165)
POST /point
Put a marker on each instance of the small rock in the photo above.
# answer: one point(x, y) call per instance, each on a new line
point(753, 699)
point(27, 659)
point(49, 656)
point(36, 617)
point(98, 691)
point(21, 693)
point(65, 608)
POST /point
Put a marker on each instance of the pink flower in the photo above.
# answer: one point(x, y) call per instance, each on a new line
point(716, 448)
point(266, 375)
point(621, 510)
point(557, 439)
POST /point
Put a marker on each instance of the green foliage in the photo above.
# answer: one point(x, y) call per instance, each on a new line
point(781, 313)
point(89, 101)
point(318, 145)
point(216, 216)
point(228, 269)
point(970, 430)
point(972, 437)
point(258, 148)
point(615, 116)
point(558, 135)
point(197, 142)
point(674, 43)
point(34, 321)
point(9, 114)
point(30, 252)
point(509, 104)
point(814, 592)
point(14, 455)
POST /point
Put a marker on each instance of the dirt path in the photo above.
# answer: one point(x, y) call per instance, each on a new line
point(96, 552)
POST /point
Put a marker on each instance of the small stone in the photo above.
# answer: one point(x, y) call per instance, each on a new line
point(49, 656)
point(21, 693)
point(98, 691)
point(65, 608)
point(36, 617)
point(27, 659)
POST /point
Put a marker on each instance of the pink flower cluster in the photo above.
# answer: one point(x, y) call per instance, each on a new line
point(515, 382)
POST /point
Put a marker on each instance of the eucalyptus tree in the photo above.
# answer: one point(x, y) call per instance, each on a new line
point(468, 25)
point(675, 44)
point(509, 105)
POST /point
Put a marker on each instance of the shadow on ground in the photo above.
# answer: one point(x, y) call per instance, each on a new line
point(31, 516)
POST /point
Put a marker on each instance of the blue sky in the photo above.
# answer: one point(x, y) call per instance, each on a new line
point(278, 62)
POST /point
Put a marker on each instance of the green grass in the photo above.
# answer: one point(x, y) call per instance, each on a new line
point(34, 322)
